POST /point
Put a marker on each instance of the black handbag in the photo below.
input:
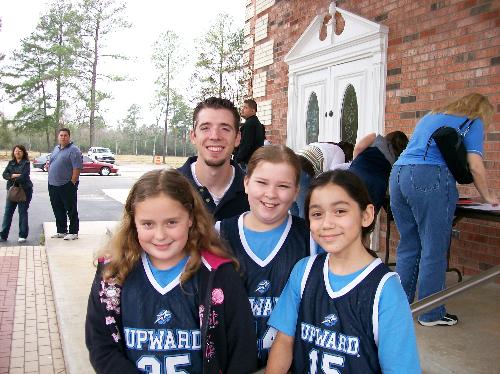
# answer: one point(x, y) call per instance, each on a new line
point(16, 193)
point(450, 143)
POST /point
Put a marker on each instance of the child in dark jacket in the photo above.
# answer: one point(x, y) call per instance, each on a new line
point(169, 298)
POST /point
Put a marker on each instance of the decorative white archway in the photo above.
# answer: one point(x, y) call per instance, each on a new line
point(357, 58)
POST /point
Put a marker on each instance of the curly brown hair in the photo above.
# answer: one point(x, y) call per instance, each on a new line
point(124, 249)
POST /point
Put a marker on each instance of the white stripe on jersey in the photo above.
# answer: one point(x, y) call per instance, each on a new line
point(334, 294)
point(152, 280)
point(274, 252)
point(376, 302)
point(306, 274)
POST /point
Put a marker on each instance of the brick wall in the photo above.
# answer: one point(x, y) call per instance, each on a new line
point(438, 50)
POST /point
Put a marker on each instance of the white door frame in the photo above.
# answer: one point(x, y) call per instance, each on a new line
point(316, 81)
point(361, 40)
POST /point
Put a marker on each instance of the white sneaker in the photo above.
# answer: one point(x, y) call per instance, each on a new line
point(21, 240)
point(71, 237)
point(58, 235)
point(447, 320)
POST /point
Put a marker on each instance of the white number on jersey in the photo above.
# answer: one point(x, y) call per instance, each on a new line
point(151, 365)
point(328, 362)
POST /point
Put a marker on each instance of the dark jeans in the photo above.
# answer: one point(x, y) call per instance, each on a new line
point(64, 205)
point(22, 209)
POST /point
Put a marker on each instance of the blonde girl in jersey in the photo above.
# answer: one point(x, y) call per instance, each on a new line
point(169, 299)
point(268, 240)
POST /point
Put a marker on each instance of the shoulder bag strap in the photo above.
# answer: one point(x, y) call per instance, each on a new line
point(468, 127)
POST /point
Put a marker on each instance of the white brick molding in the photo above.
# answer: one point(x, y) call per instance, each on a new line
point(261, 5)
point(265, 112)
point(261, 27)
point(263, 54)
point(259, 84)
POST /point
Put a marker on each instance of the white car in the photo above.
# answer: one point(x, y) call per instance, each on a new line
point(101, 154)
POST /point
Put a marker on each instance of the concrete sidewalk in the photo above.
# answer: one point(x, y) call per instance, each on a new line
point(39, 283)
point(71, 270)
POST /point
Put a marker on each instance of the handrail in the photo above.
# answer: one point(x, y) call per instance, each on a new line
point(438, 298)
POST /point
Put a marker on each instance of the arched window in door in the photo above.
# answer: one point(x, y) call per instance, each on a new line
point(312, 119)
point(349, 119)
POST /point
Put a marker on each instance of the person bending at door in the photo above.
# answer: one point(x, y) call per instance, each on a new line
point(373, 158)
point(317, 158)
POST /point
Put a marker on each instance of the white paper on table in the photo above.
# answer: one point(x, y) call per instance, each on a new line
point(488, 207)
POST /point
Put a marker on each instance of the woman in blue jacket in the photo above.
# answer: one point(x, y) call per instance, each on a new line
point(17, 171)
point(424, 195)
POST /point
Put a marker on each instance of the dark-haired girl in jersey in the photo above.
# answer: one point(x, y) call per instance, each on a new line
point(267, 240)
point(170, 299)
point(342, 311)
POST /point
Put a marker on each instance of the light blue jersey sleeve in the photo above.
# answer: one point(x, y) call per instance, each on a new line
point(285, 313)
point(397, 344)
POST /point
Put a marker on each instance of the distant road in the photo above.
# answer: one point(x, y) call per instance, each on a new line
point(93, 203)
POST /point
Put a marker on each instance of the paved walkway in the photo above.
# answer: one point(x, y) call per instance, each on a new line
point(29, 334)
point(44, 291)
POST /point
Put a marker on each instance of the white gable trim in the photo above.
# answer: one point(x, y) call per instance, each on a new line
point(362, 41)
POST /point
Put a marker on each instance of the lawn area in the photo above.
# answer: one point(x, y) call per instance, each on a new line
point(141, 159)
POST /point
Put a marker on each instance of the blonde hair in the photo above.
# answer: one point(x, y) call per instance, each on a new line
point(275, 154)
point(124, 248)
point(473, 105)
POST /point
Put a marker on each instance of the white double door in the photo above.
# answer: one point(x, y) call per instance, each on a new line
point(321, 95)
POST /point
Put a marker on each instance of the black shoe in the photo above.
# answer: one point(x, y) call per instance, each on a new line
point(447, 320)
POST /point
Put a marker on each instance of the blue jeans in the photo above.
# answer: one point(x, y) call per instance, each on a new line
point(423, 201)
point(22, 209)
point(297, 208)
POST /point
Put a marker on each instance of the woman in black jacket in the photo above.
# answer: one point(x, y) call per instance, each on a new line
point(17, 171)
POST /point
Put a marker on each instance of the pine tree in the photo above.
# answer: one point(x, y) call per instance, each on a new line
point(219, 70)
point(101, 18)
point(167, 58)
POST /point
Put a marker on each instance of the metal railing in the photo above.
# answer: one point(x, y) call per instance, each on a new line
point(432, 301)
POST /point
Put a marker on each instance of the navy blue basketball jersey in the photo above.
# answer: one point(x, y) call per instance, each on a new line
point(161, 325)
point(265, 279)
point(337, 331)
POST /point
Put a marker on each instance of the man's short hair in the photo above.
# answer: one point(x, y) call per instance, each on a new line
point(251, 104)
point(217, 103)
point(64, 129)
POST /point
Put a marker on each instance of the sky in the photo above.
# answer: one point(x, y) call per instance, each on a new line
point(188, 18)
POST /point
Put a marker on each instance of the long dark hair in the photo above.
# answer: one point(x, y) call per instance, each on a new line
point(352, 185)
point(22, 148)
point(398, 141)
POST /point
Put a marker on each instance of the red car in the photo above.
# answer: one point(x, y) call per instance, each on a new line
point(103, 168)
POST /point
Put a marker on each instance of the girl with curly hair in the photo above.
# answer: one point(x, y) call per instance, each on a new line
point(169, 297)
